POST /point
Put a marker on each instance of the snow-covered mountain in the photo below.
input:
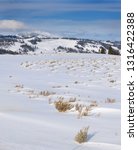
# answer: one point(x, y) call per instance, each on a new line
point(42, 42)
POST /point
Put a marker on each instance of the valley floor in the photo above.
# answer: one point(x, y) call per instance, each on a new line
point(30, 86)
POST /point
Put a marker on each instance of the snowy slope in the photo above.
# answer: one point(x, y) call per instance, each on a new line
point(30, 121)
point(35, 43)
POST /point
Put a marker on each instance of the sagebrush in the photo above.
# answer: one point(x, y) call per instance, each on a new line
point(82, 135)
point(63, 106)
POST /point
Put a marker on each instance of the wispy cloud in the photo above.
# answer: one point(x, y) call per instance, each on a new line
point(99, 29)
point(11, 25)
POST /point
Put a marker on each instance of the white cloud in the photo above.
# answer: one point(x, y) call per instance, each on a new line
point(11, 25)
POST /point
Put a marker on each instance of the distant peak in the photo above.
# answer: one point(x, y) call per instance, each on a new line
point(39, 34)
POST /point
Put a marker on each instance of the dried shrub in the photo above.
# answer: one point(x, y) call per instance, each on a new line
point(82, 135)
point(112, 81)
point(109, 100)
point(83, 111)
point(46, 93)
point(63, 106)
point(93, 104)
point(19, 86)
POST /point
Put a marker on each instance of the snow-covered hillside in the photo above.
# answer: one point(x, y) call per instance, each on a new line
point(31, 86)
point(36, 43)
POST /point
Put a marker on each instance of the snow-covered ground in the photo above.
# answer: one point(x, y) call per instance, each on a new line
point(43, 43)
point(29, 119)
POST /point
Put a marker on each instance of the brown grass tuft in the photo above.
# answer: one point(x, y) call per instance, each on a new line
point(109, 100)
point(82, 135)
point(63, 106)
point(46, 93)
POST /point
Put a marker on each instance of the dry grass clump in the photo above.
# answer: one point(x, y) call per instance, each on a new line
point(112, 81)
point(63, 106)
point(72, 99)
point(82, 135)
point(36, 94)
point(30, 92)
point(46, 93)
point(84, 110)
point(19, 86)
point(110, 100)
point(94, 104)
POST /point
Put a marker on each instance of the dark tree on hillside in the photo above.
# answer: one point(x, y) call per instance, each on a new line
point(103, 51)
point(110, 51)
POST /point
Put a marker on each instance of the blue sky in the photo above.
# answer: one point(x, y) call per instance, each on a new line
point(95, 19)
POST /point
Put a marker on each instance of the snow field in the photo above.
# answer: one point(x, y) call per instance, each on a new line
point(30, 86)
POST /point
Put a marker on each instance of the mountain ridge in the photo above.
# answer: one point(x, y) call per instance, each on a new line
point(41, 43)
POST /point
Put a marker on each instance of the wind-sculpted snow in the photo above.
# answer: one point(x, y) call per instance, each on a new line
point(34, 89)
